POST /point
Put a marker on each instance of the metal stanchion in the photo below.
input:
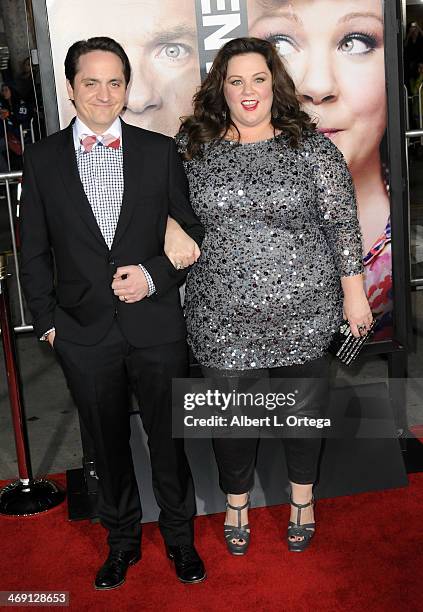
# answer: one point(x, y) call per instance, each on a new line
point(5, 143)
point(415, 282)
point(32, 130)
point(407, 109)
point(22, 137)
point(24, 496)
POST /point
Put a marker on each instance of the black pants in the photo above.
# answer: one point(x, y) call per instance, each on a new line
point(236, 457)
point(99, 378)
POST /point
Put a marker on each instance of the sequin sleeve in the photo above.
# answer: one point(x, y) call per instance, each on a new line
point(337, 204)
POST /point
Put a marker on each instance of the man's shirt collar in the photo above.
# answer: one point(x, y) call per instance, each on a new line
point(80, 129)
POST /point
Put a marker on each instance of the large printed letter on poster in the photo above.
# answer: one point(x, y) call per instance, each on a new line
point(333, 49)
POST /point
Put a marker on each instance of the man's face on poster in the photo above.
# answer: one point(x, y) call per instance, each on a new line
point(161, 42)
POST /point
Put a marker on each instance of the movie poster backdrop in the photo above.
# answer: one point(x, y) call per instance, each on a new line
point(333, 49)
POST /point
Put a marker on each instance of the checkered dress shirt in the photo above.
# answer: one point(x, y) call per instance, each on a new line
point(101, 173)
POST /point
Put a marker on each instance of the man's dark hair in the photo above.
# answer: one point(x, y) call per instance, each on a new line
point(98, 43)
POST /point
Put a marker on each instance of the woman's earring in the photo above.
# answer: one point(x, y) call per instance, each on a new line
point(224, 115)
point(275, 113)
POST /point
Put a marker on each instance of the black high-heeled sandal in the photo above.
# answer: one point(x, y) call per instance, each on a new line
point(306, 531)
point(237, 533)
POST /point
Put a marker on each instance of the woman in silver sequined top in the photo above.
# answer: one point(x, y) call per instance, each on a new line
point(280, 262)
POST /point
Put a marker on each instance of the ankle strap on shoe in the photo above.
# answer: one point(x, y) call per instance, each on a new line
point(301, 506)
point(247, 503)
point(238, 509)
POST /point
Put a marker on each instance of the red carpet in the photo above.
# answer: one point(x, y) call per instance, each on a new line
point(367, 555)
point(417, 430)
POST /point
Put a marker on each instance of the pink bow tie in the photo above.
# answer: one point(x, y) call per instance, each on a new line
point(107, 140)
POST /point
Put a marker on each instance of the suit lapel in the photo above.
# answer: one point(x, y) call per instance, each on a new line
point(68, 168)
point(132, 169)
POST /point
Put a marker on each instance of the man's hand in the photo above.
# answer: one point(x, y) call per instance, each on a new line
point(130, 284)
point(51, 337)
point(180, 248)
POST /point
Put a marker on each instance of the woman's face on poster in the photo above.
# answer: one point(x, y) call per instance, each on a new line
point(161, 43)
point(334, 51)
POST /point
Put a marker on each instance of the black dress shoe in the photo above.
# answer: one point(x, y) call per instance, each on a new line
point(188, 565)
point(113, 573)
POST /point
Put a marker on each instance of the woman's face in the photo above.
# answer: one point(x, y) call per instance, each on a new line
point(334, 51)
point(6, 93)
point(248, 91)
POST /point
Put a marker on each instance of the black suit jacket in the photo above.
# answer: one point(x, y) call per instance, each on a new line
point(66, 266)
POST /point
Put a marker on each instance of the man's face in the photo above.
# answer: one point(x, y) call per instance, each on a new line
point(98, 89)
point(161, 42)
point(414, 31)
point(164, 59)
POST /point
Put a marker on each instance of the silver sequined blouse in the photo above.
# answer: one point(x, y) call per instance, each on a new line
point(281, 229)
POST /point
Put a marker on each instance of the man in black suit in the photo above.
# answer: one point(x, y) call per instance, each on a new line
point(96, 200)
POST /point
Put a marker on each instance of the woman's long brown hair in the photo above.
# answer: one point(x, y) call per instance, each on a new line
point(211, 119)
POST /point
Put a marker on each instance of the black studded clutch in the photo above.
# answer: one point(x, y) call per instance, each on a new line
point(345, 346)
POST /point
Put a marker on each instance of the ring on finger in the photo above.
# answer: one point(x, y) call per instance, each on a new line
point(179, 266)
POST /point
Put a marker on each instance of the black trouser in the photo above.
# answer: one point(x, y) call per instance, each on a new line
point(236, 457)
point(99, 378)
